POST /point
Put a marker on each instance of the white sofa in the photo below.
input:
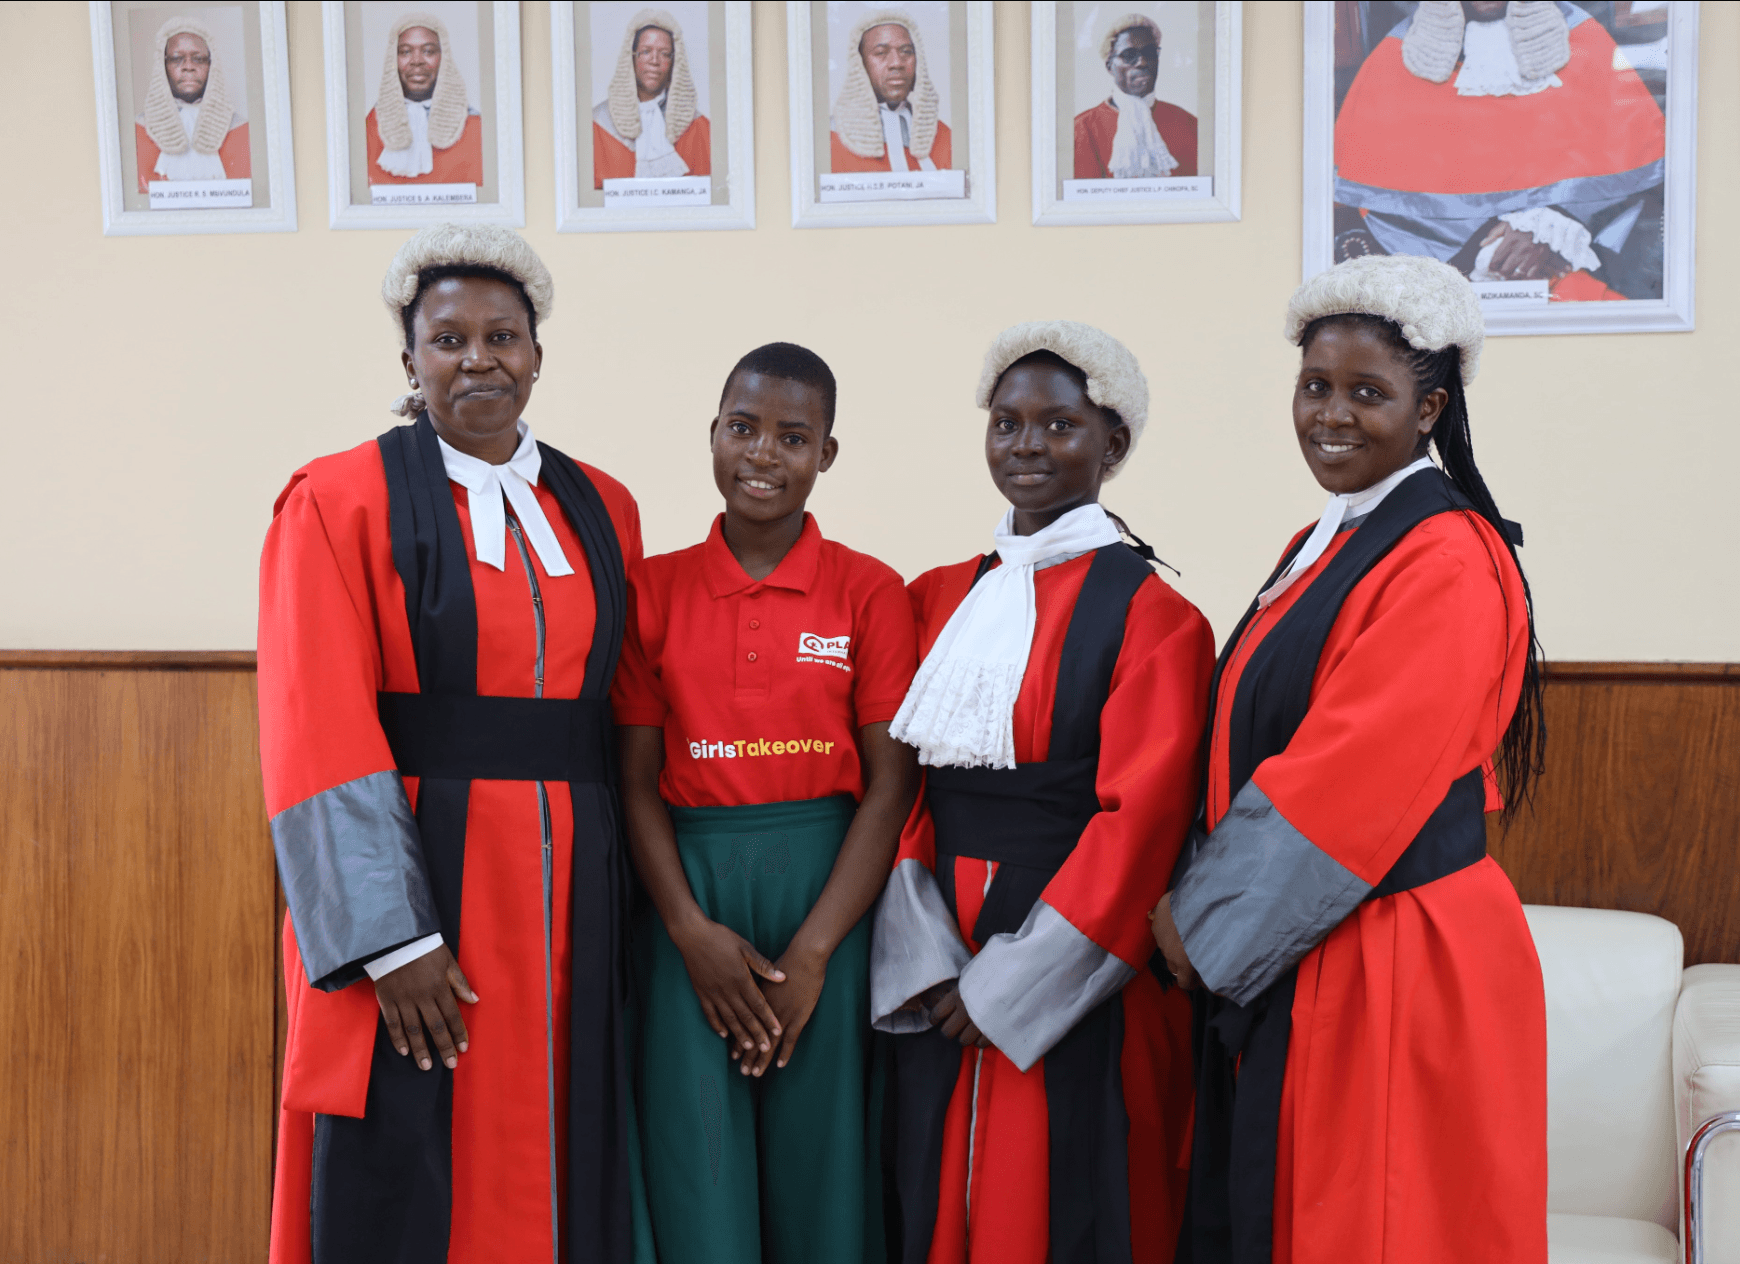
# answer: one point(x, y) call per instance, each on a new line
point(1639, 1055)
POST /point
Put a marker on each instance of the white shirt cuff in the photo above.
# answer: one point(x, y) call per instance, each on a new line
point(382, 966)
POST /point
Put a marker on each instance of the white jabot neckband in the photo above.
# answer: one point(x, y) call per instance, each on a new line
point(1338, 510)
point(960, 711)
point(487, 484)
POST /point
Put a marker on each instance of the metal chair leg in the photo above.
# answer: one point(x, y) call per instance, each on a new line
point(1707, 1132)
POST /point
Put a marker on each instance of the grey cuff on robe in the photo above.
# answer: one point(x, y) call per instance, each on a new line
point(913, 946)
point(1258, 896)
point(351, 861)
point(1027, 990)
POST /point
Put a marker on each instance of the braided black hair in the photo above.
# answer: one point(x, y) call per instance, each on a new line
point(1521, 754)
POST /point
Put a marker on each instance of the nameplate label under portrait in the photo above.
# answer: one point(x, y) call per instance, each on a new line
point(191, 195)
point(892, 186)
point(1514, 293)
point(643, 194)
point(1151, 189)
point(421, 194)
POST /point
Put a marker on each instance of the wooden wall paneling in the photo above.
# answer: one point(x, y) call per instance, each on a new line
point(135, 965)
point(1639, 808)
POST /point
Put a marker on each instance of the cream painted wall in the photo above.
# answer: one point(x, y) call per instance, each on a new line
point(160, 390)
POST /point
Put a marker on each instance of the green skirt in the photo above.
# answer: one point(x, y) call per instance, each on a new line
point(785, 1168)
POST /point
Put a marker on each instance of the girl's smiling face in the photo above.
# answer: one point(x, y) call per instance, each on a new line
point(1048, 445)
point(1356, 410)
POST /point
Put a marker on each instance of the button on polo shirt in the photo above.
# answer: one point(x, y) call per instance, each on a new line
point(761, 686)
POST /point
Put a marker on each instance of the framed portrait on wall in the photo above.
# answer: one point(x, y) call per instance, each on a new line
point(654, 115)
point(1546, 151)
point(193, 117)
point(1136, 112)
point(423, 112)
point(891, 113)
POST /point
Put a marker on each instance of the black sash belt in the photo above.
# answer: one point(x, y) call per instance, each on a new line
point(1452, 838)
point(478, 737)
point(1031, 814)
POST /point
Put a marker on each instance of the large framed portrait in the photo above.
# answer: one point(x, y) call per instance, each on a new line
point(654, 115)
point(423, 112)
point(1136, 112)
point(193, 117)
point(892, 118)
point(1545, 150)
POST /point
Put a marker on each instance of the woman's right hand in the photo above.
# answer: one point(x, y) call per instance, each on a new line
point(722, 968)
point(419, 1000)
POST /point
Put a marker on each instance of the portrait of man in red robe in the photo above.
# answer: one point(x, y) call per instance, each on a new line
point(1516, 142)
point(421, 129)
point(650, 124)
point(190, 128)
point(887, 116)
point(1132, 134)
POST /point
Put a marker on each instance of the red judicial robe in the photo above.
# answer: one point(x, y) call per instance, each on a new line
point(842, 161)
point(1429, 169)
point(460, 163)
point(234, 153)
point(333, 633)
point(613, 158)
point(1412, 1126)
point(1096, 129)
point(995, 1178)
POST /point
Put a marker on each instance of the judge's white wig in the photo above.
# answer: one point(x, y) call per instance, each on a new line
point(447, 111)
point(1539, 36)
point(1129, 22)
point(857, 118)
point(449, 245)
point(1432, 302)
point(624, 97)
point(1114, 379)
point(163, 119)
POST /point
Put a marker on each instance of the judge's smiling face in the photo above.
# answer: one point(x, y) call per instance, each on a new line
point(891, 60)
point(474, 359)
point(419, 62)
point(654, 53)
point(1135, 61)
point(770, 441)
point(1356, 410)
point(187, 63)
point(1048, 445)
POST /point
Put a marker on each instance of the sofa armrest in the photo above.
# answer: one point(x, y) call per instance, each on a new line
point(1707, 1083)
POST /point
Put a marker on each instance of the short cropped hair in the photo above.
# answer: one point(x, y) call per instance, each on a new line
point(790, 363)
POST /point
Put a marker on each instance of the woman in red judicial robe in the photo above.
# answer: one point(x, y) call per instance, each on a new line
point(1042, 1074)
point(1372, 1044)
point(441, 611)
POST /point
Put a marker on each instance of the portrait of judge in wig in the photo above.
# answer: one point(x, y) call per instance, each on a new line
point(192, 126)
point(422, 129)
point(886, 117)
point(1132, 134)
point(650, 125)
point(1513, 141)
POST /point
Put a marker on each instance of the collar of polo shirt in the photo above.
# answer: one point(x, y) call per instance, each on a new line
point(796, 570)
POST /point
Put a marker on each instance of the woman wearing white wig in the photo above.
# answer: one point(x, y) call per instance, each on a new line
point(441, 611)
point(1371, 1053)
point(1042, 1074)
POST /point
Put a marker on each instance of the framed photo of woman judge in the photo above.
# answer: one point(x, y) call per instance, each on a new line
point(423, 112)
point(193, 117)
point(1560, 173)
point(892, 113)
point(1136, 112)
point(654, 115)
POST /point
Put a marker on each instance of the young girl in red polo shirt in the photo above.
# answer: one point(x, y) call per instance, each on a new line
point(764, 802)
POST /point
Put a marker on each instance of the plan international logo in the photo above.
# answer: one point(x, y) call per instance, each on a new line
point(829, 651)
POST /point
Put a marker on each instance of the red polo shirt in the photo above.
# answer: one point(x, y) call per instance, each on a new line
point(761, 686)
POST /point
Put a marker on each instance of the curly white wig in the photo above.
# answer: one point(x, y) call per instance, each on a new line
point(1432, 302)
point(445, 245)
point(1129, 22)
point(1539, 36)
point(681, 102)
point(1114, 379)
point(163, 120)
point(448, 110)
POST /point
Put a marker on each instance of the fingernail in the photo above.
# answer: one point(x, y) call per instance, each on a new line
point(782, 1064)
point(764, 1047)
point(464, 1045)
point(424, 1063)
point(403, 1051)
point(749, 1044)
point(451, 1063)
point(758, 1073)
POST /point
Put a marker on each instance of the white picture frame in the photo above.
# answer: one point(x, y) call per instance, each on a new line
point(733, 205)
point(503, 132)
point(973, 102)
point(1052, 200)
point(1674, 311)
point(268, 102)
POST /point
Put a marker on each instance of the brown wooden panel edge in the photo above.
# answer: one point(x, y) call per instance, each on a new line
point(128, 660)
point(1644, 673)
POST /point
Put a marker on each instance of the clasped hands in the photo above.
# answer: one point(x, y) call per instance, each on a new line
point(760, 1006)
